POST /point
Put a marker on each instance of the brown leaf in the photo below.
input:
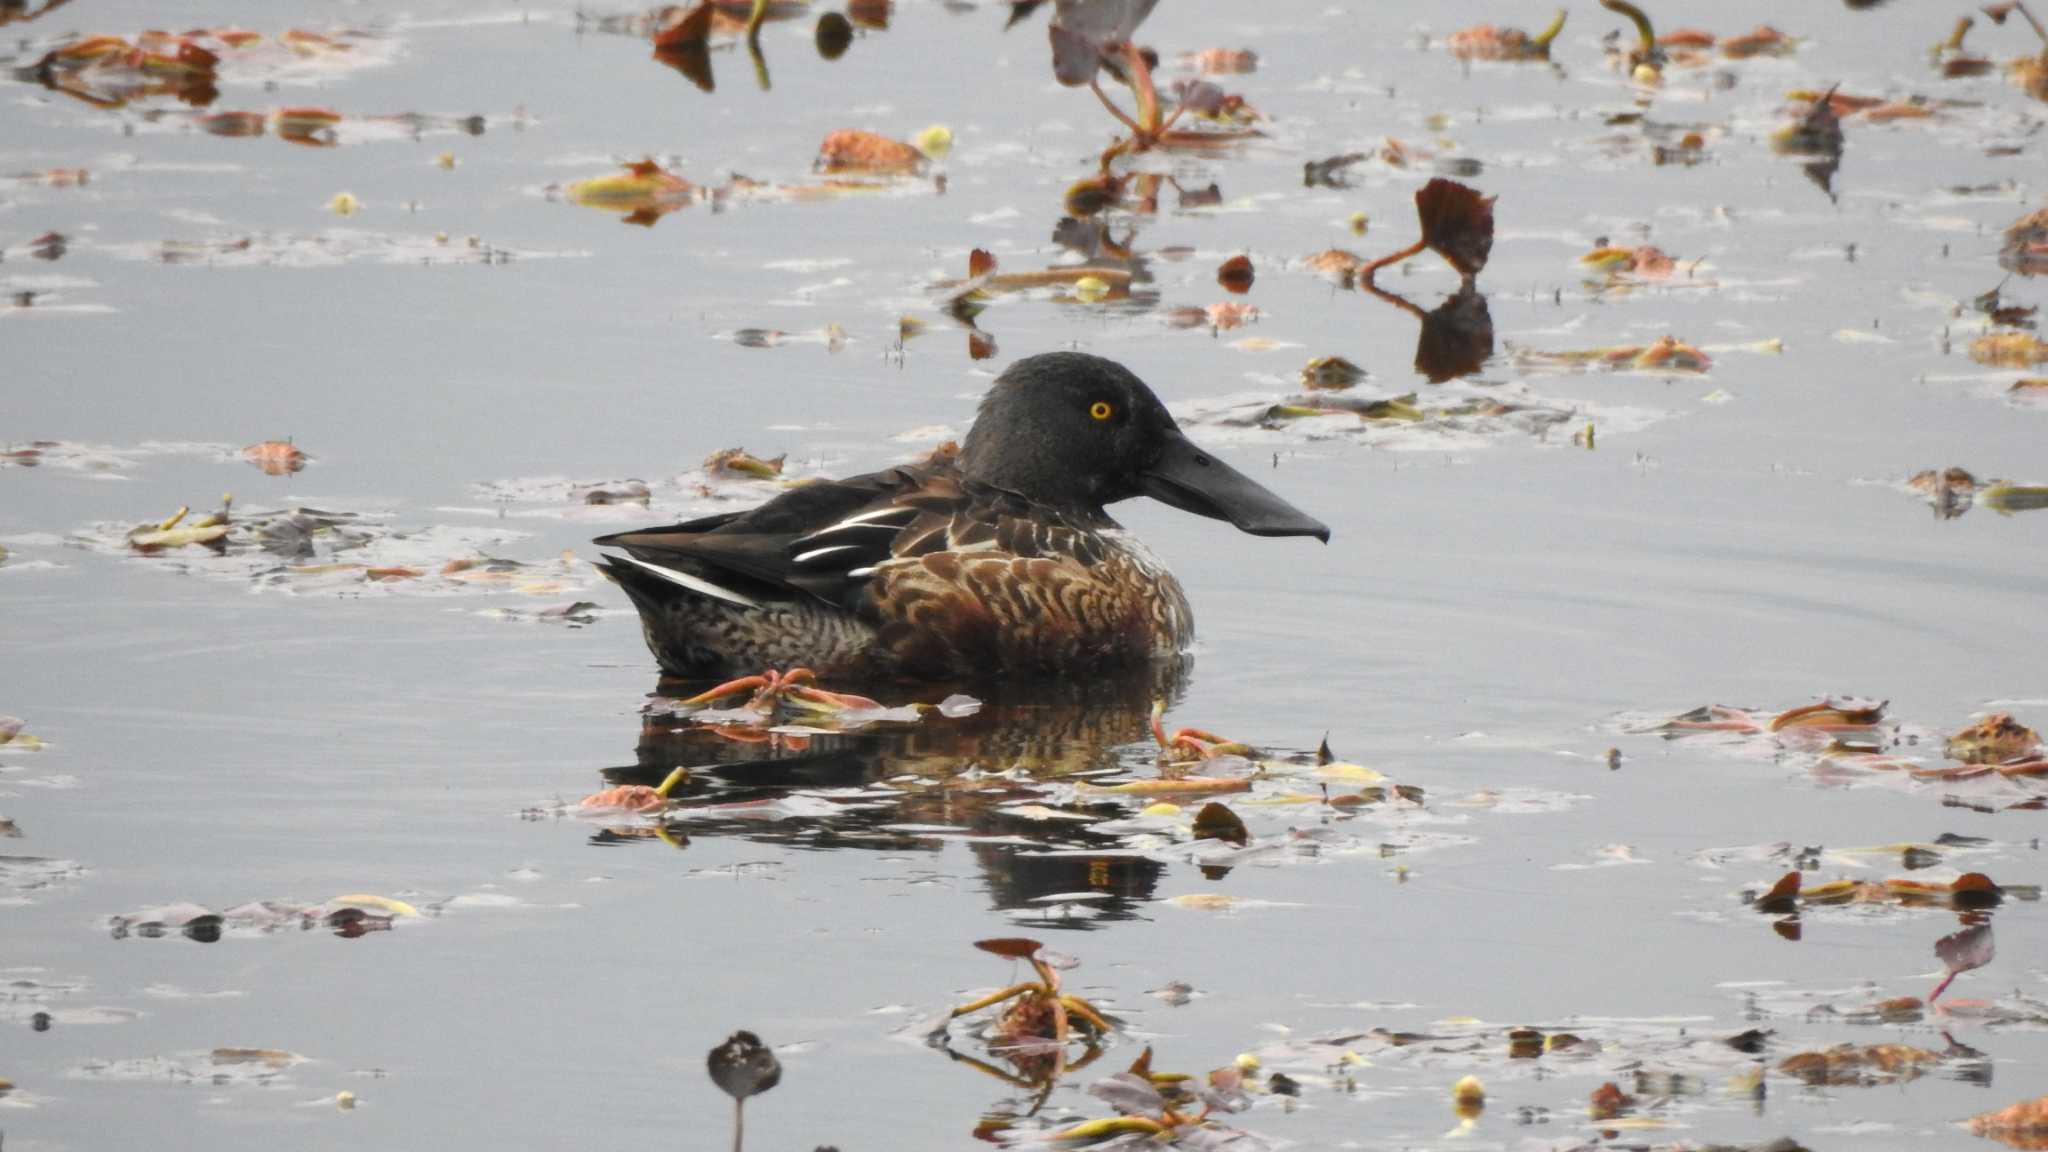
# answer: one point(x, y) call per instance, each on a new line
point(629, 797)
point(1960, 952)
point(1236, 274)
point(275, 457)
point(1212, 61)
point(1830, 714)
point(1231, 314)
point(681, 27)
point(1760, 41)
point(852, 150)
point(1336, 263)
point(2024, 1125)
point(1783, 896)
point(980, 262)
point(1609, 1101)
point(1217, 822)
point(1014, 947)
point(1457, 224)
point(1995, 738)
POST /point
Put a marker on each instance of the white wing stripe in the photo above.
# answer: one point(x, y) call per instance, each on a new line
point(814, 553)
point(695, 584)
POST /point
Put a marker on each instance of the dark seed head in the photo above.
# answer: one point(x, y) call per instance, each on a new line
point(743, 1066)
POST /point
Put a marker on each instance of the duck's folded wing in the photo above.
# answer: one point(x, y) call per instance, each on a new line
point(823, 540)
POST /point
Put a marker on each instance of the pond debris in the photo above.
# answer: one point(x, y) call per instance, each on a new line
point(1192, 745)
point(1609, 1101)
point(637, 798)
point(276, 457)
point(1161, 1107)
point(1954, 491)
point(1644, 63)
point(1852, 1065)
point(855, 150)
point(1468, 1097)
point(1235, 274)
point(1644, 261)
point(1963, 951)
point(1457, 224)
point(1817, 129)
point(1996, 739)
point(644, 191)
point(983, 279)
point(770, 702)
point(1968, 891)
point(1667, 353)
point(1041, 1012)
point(114, 72)
point(2023, 1125)
point(1087, 41)
point(2025, 249)
point(2030, 73)
point(302, 549)
point(1217, 61)
point(1492, 42)
point(347, 916)
point(14, 739)
point(1331, 372)
point(2009, 350)
point(742, 1067)
point(740, 462)
point(223, 1067)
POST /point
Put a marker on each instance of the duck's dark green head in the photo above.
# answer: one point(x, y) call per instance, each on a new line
point(1078, 431)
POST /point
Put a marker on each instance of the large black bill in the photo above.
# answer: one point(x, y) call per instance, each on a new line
point(1195, 481)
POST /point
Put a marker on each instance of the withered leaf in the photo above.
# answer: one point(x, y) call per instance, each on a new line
point(1014, 947)
point(1215, 821)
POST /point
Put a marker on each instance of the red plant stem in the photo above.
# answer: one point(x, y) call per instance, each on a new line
point(1940, 988)
point(1365, 273)
point(1113, 109)
point(1141, 83)
point(2038, 30)
point(1396, 301)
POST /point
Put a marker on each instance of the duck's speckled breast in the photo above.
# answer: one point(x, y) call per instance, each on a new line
point(1104, 602)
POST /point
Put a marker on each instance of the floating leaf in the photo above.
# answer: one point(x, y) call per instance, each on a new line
point(1217, 822)
point(2023, 1125)
point(1013, 947)
point(1488, 42)
point(275, 457)
point(1848, 1064)
point(1236, 274)
point(1997, 737)
point(739, 462)
point(853, 150)
point(1961, 952)
point(1212, 61)
point(2009, 350)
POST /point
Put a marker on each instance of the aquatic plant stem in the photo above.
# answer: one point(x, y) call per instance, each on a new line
point(1365, 274)
point(993, 998)
point(1644, 32)
point(1542, 39)
point(739, 1122)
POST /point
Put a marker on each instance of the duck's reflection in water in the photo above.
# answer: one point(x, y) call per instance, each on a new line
point(913, 787)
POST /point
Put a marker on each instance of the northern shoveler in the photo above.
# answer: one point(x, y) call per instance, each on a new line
point(997, 560)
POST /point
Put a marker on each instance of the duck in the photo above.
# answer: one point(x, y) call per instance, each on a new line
point(995, 560)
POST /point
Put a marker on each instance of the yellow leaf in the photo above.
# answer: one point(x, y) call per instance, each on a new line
point(382, 903)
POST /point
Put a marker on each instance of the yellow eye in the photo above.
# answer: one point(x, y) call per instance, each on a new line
point(1100, 410)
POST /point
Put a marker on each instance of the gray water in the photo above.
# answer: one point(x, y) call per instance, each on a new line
point(1496, 610)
